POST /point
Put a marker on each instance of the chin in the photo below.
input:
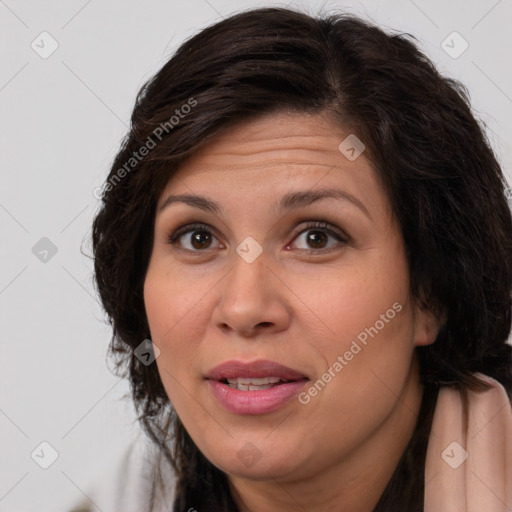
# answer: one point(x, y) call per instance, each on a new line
point(246, 460)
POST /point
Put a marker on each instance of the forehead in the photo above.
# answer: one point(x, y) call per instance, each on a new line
point(274, 154)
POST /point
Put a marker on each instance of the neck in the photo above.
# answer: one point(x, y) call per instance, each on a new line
point(354, 484)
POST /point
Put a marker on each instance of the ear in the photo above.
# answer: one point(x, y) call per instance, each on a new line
point(426, 326)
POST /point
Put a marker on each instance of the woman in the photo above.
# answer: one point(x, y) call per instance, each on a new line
point(307, 228)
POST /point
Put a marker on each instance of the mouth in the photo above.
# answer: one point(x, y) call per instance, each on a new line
point(257, 387)
point(254, 384)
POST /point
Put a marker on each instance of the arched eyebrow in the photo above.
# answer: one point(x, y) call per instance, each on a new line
point(290, 201)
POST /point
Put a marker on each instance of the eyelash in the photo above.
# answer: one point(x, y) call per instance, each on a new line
point(321, 226)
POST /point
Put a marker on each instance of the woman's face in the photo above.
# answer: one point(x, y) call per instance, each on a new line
point(295, 287)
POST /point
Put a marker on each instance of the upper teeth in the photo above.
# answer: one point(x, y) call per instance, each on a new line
point(253, 383)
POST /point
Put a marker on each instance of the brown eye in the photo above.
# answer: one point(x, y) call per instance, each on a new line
point(193, 238)
point(316, 237)
point(201, 239)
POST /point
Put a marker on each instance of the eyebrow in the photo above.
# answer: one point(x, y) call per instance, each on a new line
point(290, 201)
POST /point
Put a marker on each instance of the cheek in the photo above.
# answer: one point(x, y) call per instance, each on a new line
point(370, 299)
point(366, 366)
point(371, 324)
point(170, 302)
point(175, 329)
point(170, 313)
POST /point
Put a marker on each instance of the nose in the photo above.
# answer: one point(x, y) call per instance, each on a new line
point(253, 300)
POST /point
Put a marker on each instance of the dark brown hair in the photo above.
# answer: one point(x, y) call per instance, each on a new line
point(433, 159)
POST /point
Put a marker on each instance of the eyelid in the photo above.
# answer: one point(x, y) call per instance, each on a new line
point(324, 226)
point(186, 228)
point(321, 225)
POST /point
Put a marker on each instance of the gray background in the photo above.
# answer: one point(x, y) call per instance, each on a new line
point(61, 122)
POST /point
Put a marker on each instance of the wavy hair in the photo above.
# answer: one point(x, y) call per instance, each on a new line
point(433, 160)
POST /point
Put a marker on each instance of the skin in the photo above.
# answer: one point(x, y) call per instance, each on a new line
point(302, 302)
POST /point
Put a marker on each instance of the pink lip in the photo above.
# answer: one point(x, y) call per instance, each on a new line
point(259, 368)
point(254, 402)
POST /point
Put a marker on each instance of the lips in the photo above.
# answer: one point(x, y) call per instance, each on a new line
point(255, 369)
point(253, 388)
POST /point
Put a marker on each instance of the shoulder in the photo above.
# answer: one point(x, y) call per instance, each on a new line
point(128, 484)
